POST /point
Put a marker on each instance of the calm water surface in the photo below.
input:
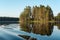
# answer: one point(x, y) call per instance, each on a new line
point(13, 32)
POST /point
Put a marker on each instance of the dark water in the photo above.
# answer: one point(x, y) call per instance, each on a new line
point(13, 32)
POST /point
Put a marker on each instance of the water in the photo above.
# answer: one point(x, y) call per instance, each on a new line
point(13, 32)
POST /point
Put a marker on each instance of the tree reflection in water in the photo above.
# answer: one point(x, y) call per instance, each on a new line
point(38, 28)
point(58, 24)
point(25, 27)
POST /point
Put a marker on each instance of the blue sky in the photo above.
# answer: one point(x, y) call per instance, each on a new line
point(13, 8)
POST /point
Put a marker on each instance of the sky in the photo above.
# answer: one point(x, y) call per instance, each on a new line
point(13, 8)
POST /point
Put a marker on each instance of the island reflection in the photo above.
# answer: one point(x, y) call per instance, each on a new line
point(38, 28)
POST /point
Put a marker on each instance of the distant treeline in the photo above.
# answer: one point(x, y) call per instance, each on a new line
point(8, 20)
point(57, 18)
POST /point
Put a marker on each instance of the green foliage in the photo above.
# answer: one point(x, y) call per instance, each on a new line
point(57, 18)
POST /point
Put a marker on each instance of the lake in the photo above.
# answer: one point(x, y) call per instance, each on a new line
point(14, 32)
